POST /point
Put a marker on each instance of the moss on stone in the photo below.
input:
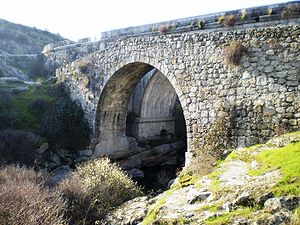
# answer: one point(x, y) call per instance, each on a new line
point(286, 159)
point(227, 218)
point(153, 210)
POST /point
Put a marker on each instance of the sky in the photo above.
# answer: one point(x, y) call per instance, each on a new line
point(75, 19)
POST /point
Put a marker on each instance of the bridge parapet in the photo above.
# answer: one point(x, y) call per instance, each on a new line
point(241, 17)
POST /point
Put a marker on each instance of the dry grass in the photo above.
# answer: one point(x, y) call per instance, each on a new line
point(290, 11)
point(233, 53)
point(25, 200)
point(95, 188)
point(229, 21)
point(163, 29)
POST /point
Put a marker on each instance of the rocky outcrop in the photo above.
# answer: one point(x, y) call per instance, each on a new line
point(229, 195)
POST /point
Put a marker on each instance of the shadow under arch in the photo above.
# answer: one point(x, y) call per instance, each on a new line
point(132, 149)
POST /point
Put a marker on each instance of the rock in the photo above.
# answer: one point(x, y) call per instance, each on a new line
point(199, 197)
point(18, 90)
point(58, 175)
point(154, 157)
point(170, 183)
point(85, 153)
point(254, 165)
point(135, 173)
point(283, 140)
point(291, 202)
point(81, 159)
point(227, 206)
point(226, 153)
point(116, 147)
point(244, 200)
point(63, 153)
point(43, 148)
point(273, 205)
point(262, 199)
point(55, 159)
point(129, 213)
point(51, 80)
point(15, 80)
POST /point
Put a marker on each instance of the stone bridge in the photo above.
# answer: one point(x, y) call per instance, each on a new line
point(162, 86)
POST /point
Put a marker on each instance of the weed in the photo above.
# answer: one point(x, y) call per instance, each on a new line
point(220, 19)
point(233, 53)
point(229, 21)
point(244, 14)
point(164, 28)
point(269, 11)
point(290, 11)
point(200, 24)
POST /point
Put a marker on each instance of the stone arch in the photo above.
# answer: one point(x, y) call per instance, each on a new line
point(112, 111)
point(157, 108)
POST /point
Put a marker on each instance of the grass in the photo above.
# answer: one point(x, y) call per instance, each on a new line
point(20, 103)
point(227, 218)
point(286, 159)
point(243, 155)
point(152, 213)
point(186, 179)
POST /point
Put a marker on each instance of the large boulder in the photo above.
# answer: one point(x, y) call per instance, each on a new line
point(161, 155)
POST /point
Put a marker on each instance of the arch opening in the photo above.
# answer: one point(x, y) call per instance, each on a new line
point(141, 125)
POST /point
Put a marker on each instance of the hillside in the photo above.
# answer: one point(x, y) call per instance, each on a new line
point(19, 39)
point(19, 48)
point(255, 185)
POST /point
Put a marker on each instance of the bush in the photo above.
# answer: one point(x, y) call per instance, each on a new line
point(95, 188)
point(39, 106)
point(163, 29)
point(8, 118)
point(25, 200)
point(18, 146)
point(233, 53)
point(64, 125)
point(38, 68)
point(291, 11)
point(229, 21)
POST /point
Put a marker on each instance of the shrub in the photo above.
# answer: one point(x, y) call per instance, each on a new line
point(39, 106)
point(290, 11)
point(233, 53)
point(57, 91)
point(163, 29)
point(229, 21)
point(64, 125)
point(25, 200)
point(96, 187)
point(38, 68)
point(269, 11)
point(18, 146)
point(244, 14)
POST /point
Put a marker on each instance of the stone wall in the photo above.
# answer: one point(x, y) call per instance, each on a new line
point(261, 94)
point(61, 53)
